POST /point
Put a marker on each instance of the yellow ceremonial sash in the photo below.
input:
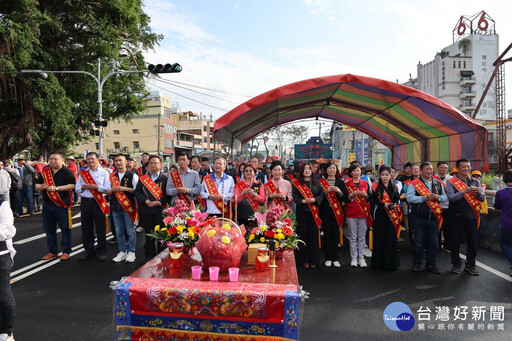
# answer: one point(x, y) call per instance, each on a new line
point(475, 204)
point(272, 189)
point(363, 204)
point(254, 204)
point(306, 193)
point(54, 196)
point(100, 199)
point(434, 205)
point(212, 189)
point(123, 199)
point(395, 215)
point(176, 180)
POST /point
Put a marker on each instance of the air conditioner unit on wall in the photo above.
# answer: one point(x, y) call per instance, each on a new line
point(125, 149)
point(110, 150)
point(509, 126)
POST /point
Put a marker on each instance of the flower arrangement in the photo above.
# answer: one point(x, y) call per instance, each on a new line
point(275, 225)
point(182, 223)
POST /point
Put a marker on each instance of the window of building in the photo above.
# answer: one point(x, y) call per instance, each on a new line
point(204, 139)
point(116, 132)
point(117, 145)
point(136, 145)
point(204, 128)
point(135, 131)
point(484, 57)
point(97, 146)
point(466, 89)
point(459, 64)
point(484, 69)
point(454, 64)
point(466, 102)
point(464, 64)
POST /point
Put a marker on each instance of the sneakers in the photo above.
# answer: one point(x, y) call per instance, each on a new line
point(48, 257)
point(328, 263)
point(471, 269)
point(337, 264)
point(416, 268)
point(433, 268)
point(362, 263)
point(139, 229)
point(121, 256)
point(456, 269)
point(6, 337)
point(131, 257)
point(353, 262)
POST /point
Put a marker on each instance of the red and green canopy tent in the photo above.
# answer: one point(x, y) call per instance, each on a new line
point(413, 124)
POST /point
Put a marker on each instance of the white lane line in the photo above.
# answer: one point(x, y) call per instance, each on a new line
point(39, 236)
point(78, 248)
point(491, 270)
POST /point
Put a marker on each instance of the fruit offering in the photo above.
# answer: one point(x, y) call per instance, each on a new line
point(262, 260)
point(222, 244)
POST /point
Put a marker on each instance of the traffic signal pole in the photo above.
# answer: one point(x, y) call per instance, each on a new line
point(167, 68)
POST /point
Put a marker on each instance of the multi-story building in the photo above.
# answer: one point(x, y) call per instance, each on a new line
point(459, 73)
point(161, 130)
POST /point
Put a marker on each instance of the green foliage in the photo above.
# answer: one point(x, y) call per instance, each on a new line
point(67, 35)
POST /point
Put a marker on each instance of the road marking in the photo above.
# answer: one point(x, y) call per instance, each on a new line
point(491, 270)
point(42, 235)
point(78, 249)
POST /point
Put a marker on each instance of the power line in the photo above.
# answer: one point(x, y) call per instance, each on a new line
point(198, 92)
point(214, 90)
point(193, 100)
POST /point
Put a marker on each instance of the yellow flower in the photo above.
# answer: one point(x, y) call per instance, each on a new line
point(157, 228)
point(251, 237)
point(191, 234)
point(279, 236)
point(263, 228)
point(180, 228)
point(211, 233)
point(225, 239)
point(226, 227)
point(262, 239)
point(164, 229)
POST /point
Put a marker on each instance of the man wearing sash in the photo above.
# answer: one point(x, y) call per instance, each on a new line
point(183, 183)
point(124, 208)
point(465, 195)
point(151, 198)
point(424, 196)
point(56, 184)
point(443, 176)
point(144, 159)
point(91, 186)
point(218, 188)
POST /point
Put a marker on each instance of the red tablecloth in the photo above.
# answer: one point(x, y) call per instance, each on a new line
point(159, 303)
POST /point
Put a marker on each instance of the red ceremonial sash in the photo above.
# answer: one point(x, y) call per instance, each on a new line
point(475, 204)
point(100, 199)
point(152, 187)
point(176, 180)
point(363, 204)
point(335, 205)
point(254, 204)
point(238, 179)
point(54, 196)
point(201, 201)
point(306, 193)
point(395, 215)
point(272, 189)
point(212, 189)
point(407, 182)
point(434, 205)
point(123, 199)
point(139, 171)
point(439, 179)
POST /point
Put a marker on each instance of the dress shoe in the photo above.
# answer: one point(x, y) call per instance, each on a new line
point(49, 256)
point(85, 257)
point(64, 257)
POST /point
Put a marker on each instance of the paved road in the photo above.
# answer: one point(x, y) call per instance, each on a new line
point(72, 300)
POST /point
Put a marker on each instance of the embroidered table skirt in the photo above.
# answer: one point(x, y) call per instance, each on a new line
point(159, 303)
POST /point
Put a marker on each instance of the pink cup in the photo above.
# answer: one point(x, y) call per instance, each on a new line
point(233, 274)
point(214, 273)
point(196, 272)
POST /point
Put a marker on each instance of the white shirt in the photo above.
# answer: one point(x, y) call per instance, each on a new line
point(7, 229)
point(100, 176)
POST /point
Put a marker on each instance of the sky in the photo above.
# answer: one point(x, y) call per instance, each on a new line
point(244, 48)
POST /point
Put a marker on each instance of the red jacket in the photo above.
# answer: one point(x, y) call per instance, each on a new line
point(352, 209)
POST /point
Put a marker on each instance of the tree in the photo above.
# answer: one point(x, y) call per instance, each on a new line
point(464, 45)
point(67, 35)
point(298, 134)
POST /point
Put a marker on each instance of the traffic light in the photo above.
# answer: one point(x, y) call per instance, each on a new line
point(167, 68)
point(98, 123)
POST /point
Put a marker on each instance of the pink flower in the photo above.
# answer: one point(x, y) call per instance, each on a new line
point(261, 218)
point(168, 220)
point(287, 222)
point(254, 230)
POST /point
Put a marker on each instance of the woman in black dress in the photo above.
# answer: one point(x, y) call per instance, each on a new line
point(385, 250)
point(307, 230)
point(330, 225)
